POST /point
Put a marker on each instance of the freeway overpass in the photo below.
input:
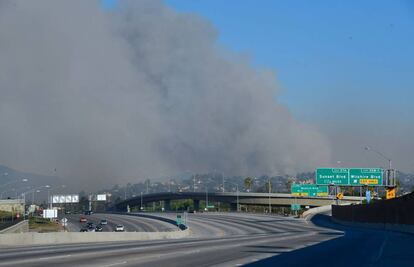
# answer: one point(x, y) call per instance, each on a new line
point(276, 199)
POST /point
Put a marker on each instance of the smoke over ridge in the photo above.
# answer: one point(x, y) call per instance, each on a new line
point(139, 91)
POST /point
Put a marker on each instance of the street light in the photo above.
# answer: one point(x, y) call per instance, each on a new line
point(12, 182)
point(237, 194)
point(206, 208)
point(390, 174)
point(33, 190)
point(48, 196)
point(141, 202)
point(368, 148)
point(270, 205)
point(222, 176)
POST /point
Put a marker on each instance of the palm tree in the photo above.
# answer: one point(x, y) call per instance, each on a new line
point(289, 183)
point(248, 182)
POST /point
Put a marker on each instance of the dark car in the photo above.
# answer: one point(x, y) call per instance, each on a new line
point(98, 228)
point(83, 230)
point(182, 227)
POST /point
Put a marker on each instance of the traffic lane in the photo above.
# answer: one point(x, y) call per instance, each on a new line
point(76, 225)
point(173, 253)
point(139, 224)
point(223, 224)
point(238, 249)
point(130, 223)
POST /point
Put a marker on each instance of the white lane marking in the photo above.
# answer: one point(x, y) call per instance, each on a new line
point(115, 263)
point(54, 257)
point(381, 250)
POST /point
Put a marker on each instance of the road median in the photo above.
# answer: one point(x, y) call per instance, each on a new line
point(30, 239)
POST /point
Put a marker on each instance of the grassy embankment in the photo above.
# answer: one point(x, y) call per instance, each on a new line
point(41, 225)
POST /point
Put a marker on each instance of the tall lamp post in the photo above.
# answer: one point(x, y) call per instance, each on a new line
point(237, 195)
point(206, 209)
point(12, 182)
point(368, 148)
point(270, 190)
point(222, 176)
point(388, 181)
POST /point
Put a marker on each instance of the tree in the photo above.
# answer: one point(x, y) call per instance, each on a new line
point(289, 183)
point(248, 182)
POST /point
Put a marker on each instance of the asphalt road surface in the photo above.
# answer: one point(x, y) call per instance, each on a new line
point(130, 223)
point(234, 240)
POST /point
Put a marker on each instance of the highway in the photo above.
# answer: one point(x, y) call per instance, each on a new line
point(131, 223)
point(220, 239)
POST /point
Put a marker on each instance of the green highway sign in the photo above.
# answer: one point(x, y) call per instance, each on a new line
point(309, 190)
point(337, 176)
point(210, 206)
point(367, 176)
point(294, 206)
point(349, 177)
point(178, 220)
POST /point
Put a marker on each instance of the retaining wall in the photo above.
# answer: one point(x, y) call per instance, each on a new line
point(394, 214)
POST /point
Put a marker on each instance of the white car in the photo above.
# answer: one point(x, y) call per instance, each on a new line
point(104, 222)
point(119, 228)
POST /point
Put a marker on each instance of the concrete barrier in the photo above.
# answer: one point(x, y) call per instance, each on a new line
point(30, 239)
point(21, 227)
point(307, 215)
point(403, 228)
point(393, 214)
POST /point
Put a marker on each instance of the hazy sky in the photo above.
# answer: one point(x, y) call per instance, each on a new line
point(343, 65)
point(114, 93)
point(136, 90)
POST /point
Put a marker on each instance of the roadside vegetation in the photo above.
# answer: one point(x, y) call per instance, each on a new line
point(41, 225)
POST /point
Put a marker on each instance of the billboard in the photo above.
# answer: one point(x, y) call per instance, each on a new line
point(101, 197)
point(50, 213)
point(75, 198)
point(62, 199)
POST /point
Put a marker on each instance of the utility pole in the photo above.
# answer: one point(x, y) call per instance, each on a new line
point(270, 205)
point(141, 202)
point(222, 175)
point(238, 205)
point(90, 202)
point(206, 198)
point(368, 148)
point(48, 199)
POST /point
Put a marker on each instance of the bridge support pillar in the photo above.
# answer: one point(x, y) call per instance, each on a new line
point(233, 206)
point(167, 205)
point(196, 204)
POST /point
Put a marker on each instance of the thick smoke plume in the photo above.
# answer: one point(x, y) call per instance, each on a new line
point(135, 92)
